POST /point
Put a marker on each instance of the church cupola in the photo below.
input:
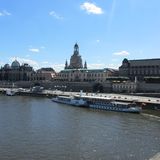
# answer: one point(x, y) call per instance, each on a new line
point(75, 60)
point(76, 49)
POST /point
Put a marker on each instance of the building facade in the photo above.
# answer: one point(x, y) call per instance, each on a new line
point(44, 74)
point(25, 72)
point(85, 75)
point(125, 87)
point(16, 72)
point(139, 69)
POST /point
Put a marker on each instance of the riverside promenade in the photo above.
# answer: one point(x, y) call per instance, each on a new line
point(119, 97)
point(156, 157)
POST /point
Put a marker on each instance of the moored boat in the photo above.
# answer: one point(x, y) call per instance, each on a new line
point(71, 100)
point(102, 103)
point(109, 104)
point(10, 92)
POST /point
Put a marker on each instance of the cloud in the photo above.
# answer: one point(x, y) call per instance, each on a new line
point(42, 47)
point(5, 13)
point(45, 62)
point(111, 14)
point(1, 63)
point(115, 60)
point(27, 55)
point(35, 64)
point(37, 49)
point(57, 67)
point(34, 50)
point(113, 65)
point(91, 8)
point(96, 65)
point(102, 65)
point(97, 40)
point(122, 53)
point(55, 15)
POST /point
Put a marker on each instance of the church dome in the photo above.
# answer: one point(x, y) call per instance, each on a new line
point(6, 66)
point(15, 64)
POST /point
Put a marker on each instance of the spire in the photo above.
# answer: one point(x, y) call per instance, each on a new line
point(85, 65)
point(66, 65)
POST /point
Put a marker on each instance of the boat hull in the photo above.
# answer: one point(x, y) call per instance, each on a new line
point(96, 103)
point(116, 109)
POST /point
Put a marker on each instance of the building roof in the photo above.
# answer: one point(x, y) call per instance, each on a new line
point(47, 69)
point(89, 70)
point(144, 62)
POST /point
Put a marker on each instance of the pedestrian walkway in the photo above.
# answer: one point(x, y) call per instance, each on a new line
point(156, 157)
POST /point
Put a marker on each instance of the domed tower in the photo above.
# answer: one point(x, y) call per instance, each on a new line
point(15, 65)
point(75, 60)
point(124, 68)
point(7, 66)
point(125, 62)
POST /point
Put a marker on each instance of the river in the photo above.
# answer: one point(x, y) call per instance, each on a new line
point(38, 129)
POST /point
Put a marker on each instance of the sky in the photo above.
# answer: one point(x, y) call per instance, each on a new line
point(43, 32)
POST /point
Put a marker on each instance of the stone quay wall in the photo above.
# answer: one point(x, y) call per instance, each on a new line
point(105, 87)
point(148, 87)
point(64, 86)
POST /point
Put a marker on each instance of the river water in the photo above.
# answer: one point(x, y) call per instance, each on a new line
point(39, 129)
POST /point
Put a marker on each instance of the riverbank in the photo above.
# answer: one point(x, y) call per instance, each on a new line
point(156, 157)
point(151, 105)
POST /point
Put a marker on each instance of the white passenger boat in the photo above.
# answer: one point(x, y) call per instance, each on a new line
point(75, 101)
point(10, 92)
point(109, 104)
point(96, 102)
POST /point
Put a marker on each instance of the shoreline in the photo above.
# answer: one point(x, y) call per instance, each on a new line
point(152, 106)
